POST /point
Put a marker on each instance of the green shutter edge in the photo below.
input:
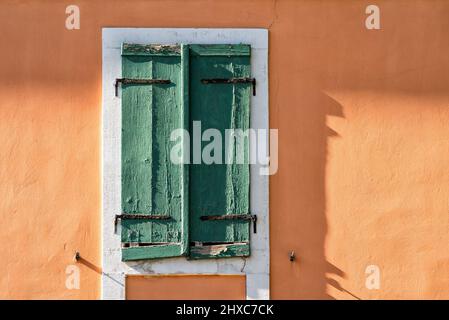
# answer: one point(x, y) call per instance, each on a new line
point(172, 249)
point(152, 252)
point(219, 251)
point(185, 112)
point(220, 49)
point(133, 49)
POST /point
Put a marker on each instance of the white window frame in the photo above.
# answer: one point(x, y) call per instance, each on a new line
point(256, 267)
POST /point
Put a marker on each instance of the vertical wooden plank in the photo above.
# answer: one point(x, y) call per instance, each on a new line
point(219, 189)
point(136, 142)
point(151, 183)
point(185, 74)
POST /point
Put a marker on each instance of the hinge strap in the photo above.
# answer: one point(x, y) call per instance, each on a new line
point(128, 216)
point(138, 81)
point(248, 217)
point(232, 81)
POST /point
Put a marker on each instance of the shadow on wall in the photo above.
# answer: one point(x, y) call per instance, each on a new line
point(303, 222)
point(326, 47)
point(312, 272)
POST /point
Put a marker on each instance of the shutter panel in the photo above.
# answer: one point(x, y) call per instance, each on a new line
point(219, 190)
point(154, 217)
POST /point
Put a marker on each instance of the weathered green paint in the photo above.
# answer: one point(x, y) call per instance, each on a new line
point(185, 62)
point(150, 50)
point(151, 183)
point(220, 251)
point(219, 189)
point(152, 252)
point(226, 50)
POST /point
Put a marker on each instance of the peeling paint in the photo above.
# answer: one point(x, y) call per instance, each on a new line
point(150, 49)
point(211, 250)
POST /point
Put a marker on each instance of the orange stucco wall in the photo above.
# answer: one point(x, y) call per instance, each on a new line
point(186, 287)
point(363, 152)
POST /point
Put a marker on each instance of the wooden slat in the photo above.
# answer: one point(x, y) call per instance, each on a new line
point(152, 252)
point(220, 49)
point(219, 188)
point(185, 74)
point(151, 183)
point(220, 251)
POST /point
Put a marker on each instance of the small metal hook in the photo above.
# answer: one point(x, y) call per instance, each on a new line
point(292, 256)
point(77, 256)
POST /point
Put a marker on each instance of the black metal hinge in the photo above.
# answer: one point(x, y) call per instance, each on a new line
point(128, 216)
point(232, 80)
point(248, 217)
point(138, 81)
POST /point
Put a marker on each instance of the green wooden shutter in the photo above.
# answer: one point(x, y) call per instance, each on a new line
point(152, 186)
point(219, 190)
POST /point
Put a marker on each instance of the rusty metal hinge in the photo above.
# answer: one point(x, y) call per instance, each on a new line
point(138, 81)
point(232, 80)
point(129, 216)
point(248, 217)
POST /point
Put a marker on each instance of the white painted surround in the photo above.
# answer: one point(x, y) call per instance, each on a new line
point(256, 268)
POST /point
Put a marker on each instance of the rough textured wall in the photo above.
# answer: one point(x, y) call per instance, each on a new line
point(364, 147)
point(190, 287)
point(363, 150)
